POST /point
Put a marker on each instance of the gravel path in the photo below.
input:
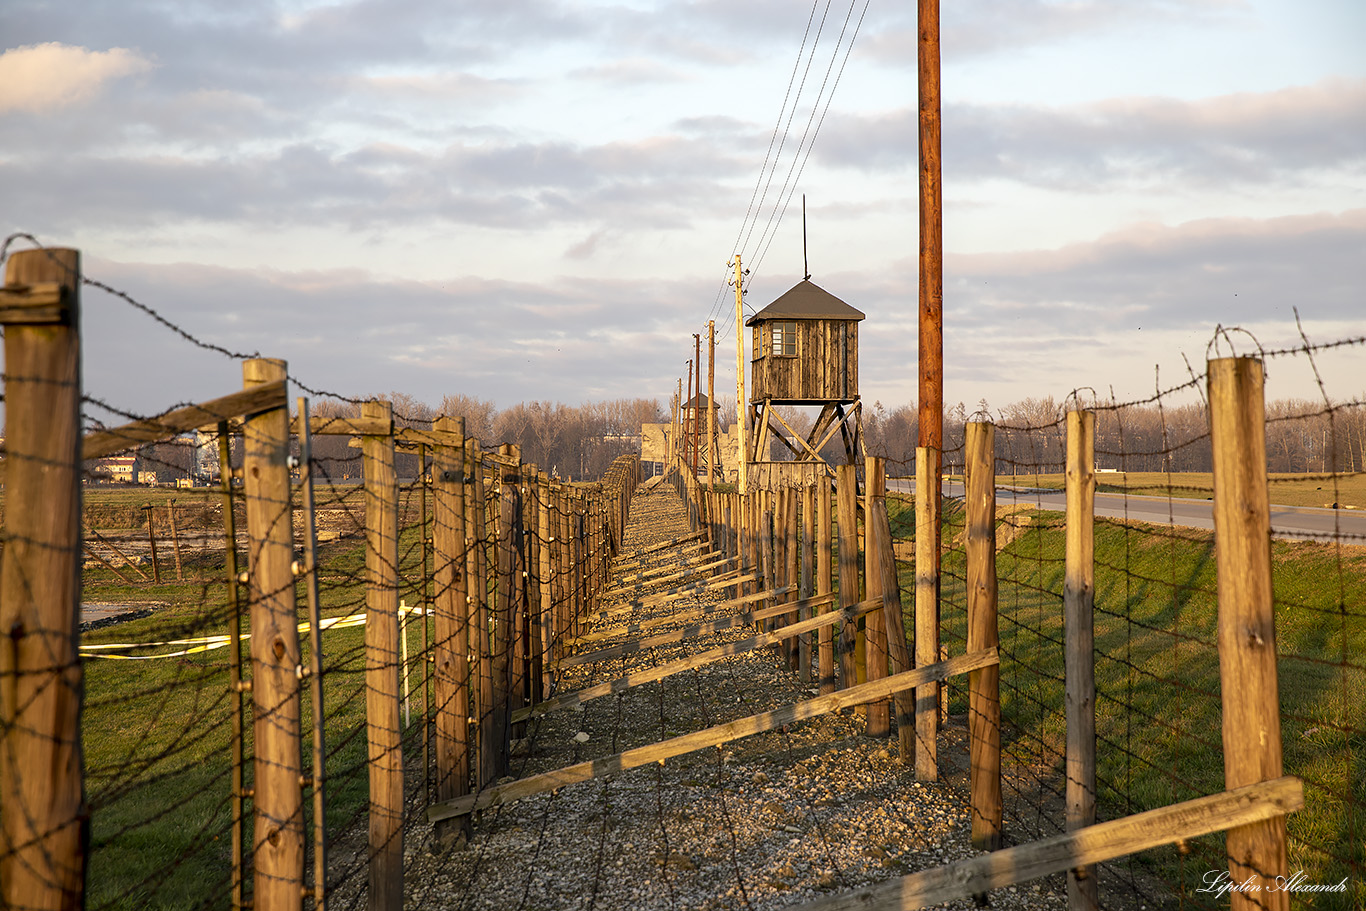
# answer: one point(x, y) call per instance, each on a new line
point(765, 822)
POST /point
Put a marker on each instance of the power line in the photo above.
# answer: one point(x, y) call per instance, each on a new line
point(716, 304)
point(791, 183)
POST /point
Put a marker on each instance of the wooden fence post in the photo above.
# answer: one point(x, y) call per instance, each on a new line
point(507, 666)
point(984, 697)
point(1247, 629)
point(382, 698)
point(152, 541)
point(545, 572)
point(531, 515)
point(477, 572)
point(875, 630)
point(44, 828)
point(1079, 638)
point(846, 483)
point(894, 622)
point(452, 647)
point(807, 576)
point(792, 575)
point(825, 584)
point(927, 469)
point(278, 839)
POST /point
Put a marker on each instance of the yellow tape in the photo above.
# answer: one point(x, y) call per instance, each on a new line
point(210, 643)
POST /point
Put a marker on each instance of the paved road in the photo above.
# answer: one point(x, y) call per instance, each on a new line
point(1298, 522)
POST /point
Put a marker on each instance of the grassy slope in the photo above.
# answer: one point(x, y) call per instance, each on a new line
point(1286, 489)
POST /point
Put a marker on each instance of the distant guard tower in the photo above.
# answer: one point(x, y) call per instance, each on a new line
point(805, 352)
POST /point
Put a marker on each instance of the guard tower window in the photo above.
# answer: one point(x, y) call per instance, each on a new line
point(785, 339)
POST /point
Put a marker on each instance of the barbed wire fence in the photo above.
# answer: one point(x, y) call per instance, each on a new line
point(175, 755)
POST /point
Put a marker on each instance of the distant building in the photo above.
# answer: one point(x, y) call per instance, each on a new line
point(121, 469)
point(655, 446)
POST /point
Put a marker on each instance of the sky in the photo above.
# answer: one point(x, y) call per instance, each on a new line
point(535, 200)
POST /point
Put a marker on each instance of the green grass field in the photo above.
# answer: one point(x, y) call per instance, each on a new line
point(1157, 678)
point(157, 733)
point(1347, 490)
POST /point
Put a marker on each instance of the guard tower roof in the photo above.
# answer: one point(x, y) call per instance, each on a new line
point(806, 300)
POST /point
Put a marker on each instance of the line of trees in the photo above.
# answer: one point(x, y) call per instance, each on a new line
point(1301, 436)
point(571, 441)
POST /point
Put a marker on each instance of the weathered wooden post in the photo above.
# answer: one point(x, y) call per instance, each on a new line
point(877, 713)
point(175, 542)
point(984, 697)
point(1079, 638)
point(846, 484)
point(825, 584)
point(531, 584)
point(1247, 628)
point(452, 647)
point(807, 573)
point(151, 512)
point(927, 469)
point(792, 573)
point(235, 688)
point(545, 571)
point(278, 841)
point(382, 698)
point(44, 828)
point(507, 666)
point(476, 571)
point(888, 585)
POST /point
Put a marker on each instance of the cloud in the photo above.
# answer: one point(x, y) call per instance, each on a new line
point(631, 71)
point(500, 339)
point(1141, 141)
point(659, 181)
point(40, 77)
point(975, 28)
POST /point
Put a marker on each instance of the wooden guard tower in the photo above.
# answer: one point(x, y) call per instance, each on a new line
point(805, 352)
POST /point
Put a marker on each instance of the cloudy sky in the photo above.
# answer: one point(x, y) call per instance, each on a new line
point(529, 199)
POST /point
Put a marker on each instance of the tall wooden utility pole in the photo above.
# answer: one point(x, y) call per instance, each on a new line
point(683, 412)
point(712, 460)
point(931, 233)
point(741, 415)
point(697, 397)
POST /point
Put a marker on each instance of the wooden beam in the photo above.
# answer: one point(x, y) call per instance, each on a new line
point(1093, 844)
point(796, 436)
point(246, 403)
point(710, 737)
point(355, 427)
point(674, 573)
point(621, 565)
point(706, 610)
point(667, 544)
point(711, 584)
point(622, 684)
point(412, 437)
point(687, 632)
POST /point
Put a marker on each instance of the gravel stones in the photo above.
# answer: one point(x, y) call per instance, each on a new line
point(764, 822)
